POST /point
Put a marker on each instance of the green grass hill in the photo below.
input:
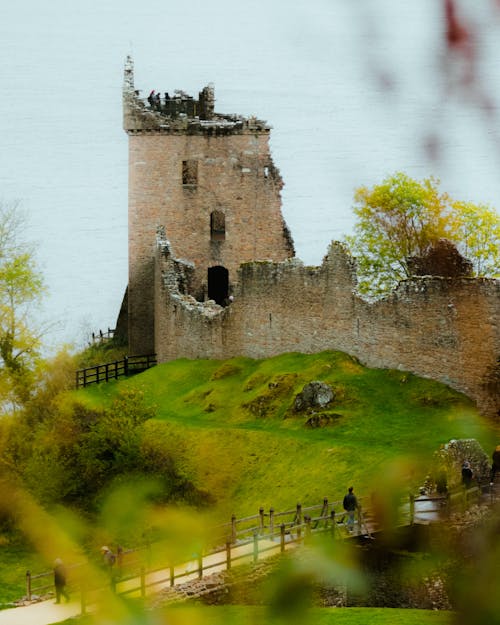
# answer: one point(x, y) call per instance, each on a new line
point(233, 428)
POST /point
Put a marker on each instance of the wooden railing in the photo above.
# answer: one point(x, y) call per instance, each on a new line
point(250, 538)
point(102, 337)
point(244, 539)
point(113, 370)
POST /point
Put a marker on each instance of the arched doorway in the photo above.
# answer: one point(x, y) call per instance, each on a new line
point(218, 284)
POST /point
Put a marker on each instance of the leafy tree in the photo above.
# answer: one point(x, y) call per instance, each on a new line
point(21, 289)
point(476, 232)
point(402, 219)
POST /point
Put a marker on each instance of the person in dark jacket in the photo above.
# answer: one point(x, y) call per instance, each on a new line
point(60, 580)
point(350, 505)
point(466, 474)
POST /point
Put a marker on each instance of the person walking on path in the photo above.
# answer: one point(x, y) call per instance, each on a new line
point(60, 580)
point(109, 559)
point(350, 504)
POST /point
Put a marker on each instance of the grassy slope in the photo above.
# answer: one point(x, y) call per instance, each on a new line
point(230, 615)
point(243, 442)
point(249, 615)
point(16, 559)
point(248, 461)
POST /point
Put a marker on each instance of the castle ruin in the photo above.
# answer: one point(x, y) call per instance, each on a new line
point(212, 270)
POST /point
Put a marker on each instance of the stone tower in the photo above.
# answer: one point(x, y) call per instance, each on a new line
point(207, 182)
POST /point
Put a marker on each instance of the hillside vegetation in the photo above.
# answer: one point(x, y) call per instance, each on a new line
point(129, 461)
point(232, 428)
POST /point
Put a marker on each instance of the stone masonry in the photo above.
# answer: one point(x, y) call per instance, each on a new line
point(212, 272)
point(210, 182)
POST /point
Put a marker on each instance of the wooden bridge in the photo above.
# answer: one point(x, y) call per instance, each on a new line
point(254, 538)
point(130, 365)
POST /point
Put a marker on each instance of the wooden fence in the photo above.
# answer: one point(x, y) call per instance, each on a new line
point(247, 540)
point(244, 539)
point(113, 370)
point(102, 337)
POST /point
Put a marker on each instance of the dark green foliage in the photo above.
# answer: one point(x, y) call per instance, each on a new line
point(72, 455)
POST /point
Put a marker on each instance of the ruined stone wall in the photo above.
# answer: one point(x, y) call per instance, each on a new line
point(443, 328)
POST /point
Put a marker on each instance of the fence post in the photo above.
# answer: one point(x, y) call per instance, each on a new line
point(233, 528)
point(332, 517)
point(200, 566)
point(307, 520)
point(298, 520)
point(324, 512)
point(125, 366)
point(360, 518)
point(412, 509)
point(28, 585)
point(228, 556)
point(282, 537)
point(143, 582)
point(255, 546)
point(172, 575)
point(262, 521)
point(298, 515)
point(271, 522)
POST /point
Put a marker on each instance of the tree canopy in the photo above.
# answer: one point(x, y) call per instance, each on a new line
point(21, 290)
point(401, 219)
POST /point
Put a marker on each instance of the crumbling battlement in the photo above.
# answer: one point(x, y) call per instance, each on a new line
point(180, 112)
point(447, 329)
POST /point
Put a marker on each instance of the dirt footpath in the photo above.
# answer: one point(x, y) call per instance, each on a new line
point(40, 613)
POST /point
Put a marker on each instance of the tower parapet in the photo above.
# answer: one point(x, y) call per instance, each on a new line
point(180, 112)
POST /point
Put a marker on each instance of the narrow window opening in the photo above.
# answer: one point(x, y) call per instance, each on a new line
point(217, 226)
point(190, 173)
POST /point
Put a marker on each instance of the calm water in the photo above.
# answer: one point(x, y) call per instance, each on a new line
point(354, 91)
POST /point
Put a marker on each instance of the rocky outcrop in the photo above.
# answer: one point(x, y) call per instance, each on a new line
point(314, 395)
point(449, 459)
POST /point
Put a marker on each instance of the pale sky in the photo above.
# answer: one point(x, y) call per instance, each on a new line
point(354, 91)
